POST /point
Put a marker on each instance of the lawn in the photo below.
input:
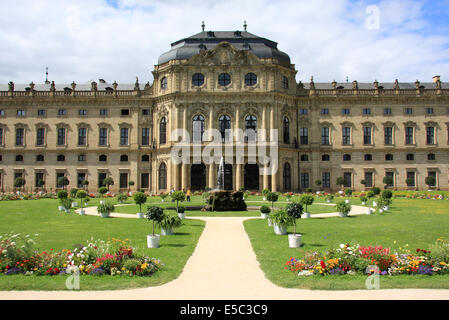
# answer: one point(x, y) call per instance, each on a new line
point(61, 230)
point(411, 223)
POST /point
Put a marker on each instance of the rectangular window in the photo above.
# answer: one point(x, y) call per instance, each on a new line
point(1, 136)
point(40, 136)
point(366, 111)
point(410, 178)
point(81, 157)
point(388, 135)
point(40, 112)
point(387, 111)
point(325, 136)
point(145, 136)
point(303, 135)
point(21, 113)
point(367, 135)
point(434, 175)
point(304, 180)
point(62, 112)
point(2, 112)
point(79, 181)
point(409, 135)
point(430, 135)
point(145, 180)
point(61, 136)
point(125, 112)
point(346, 135)
point(368, 179)
point(103, 112)
point(101, 177)
point(408, 111)
point(429, 110)
point(123, 180)
point(124, 136)
point(38, 176)
point(103, 137)
point(324, 111)
point(146, 112)
point(390, 174)
point(20, 136)
point(345, 111)
point(347, 176)
point(82, 112)
point(59, 175)
point(326, 177)
point(82, 136)
point(303, 111)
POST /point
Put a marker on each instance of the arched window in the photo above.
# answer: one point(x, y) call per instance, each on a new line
point(163, 176)
point(224, 123)
point(251, 128)
point(410, 157)
point(287, 177)
point(164, 83)
point(250, 79)
point(368, 157)
point(286, 125)
point(145, 158)
point(198, 79)
point(224, 79)
point(198, 128)
point(431, 156)
point(163, 131)
point(102, 158)
point(284, 82)
point(19, 157)
point(123, 158)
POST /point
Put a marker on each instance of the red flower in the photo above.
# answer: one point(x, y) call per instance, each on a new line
point(323, 265)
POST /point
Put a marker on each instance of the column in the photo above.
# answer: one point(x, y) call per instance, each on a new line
point(238, 176)
point(212, 181)
point(266, 178)
point(184, 176)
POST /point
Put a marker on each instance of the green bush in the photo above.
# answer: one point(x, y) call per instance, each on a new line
point(181, 209)
point(294, 211)
point(122, 197)
point(106, 207)
point(348, 192)
point(62, 194)
point(170, 222)
point(281, 218)
point(102, 190)
point(178, 196)
point(155, 214)
point(140, 198)
point(376, 190)
point(343, 207)
point(387, 194)
point(272, 197)
point(307, 200)
point(265, 209)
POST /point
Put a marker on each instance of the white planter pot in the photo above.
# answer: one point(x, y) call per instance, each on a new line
point(347, 201)
point(162, 200)
point(328, 201)
point(306, 215)
point(104, 214)
point(363, 203)
point(280, 230)
point(270, 224)
point(61, 208)
point(342, 215)
point(386, 208)
point(101, 201)
point(374, 203)
point(294, 241)
point(182, 215)
point(67, 210)
point(166, 232)
point(380, 211)
point(264, 215)
point(82, 212)
point(370, 211)
point(264, 199)
point(153, 241)
point(74, 204)
point(140, 215)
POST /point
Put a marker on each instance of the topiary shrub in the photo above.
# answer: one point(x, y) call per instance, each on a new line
point(178, 196)
point(140, 198)
point(348, 192)
point(387, 194)
point(155, 214)
point(294, 211)
point(272, 197)
point(376, 190)
point(307, 200)
point(265, 209)
point(102, 191)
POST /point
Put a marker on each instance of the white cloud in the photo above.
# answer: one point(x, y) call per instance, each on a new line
point(327, 39)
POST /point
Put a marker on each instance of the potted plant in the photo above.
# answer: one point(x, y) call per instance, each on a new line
point(364, 199)
point(109, 181)
point(163, 196)
point(272, 197)
point(264, 212)
point(348, 193)
point(81, 194)
point(294, 211)
point(306, 200)
point(265, 192)
point(281, 221)
point(329, 198)
point(140, 198)
point(168, 223)
point(73, 192)
point(62, 194)
point(105, 209)
point(67, 204)
point(102, 191)
point(85, 184)
point(246, 194)
point(370, 195)
point(154, 214)
point(181, 212)
point(381, 204)
point(122, 197)
point(343, 208)
point(178, 196)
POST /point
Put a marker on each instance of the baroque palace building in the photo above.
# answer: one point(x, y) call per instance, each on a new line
point(224, 80)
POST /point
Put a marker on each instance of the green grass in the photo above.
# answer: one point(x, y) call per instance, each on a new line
point(416, 223)
point(61, 230)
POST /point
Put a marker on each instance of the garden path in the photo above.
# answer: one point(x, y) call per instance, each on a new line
point(223, 266)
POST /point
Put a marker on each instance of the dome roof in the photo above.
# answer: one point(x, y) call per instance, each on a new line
point(208, 40)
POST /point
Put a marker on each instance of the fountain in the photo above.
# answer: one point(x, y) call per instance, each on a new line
point(224, 200)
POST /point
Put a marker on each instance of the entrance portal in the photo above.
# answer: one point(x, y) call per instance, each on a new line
point(251, 176)
point(198, 176)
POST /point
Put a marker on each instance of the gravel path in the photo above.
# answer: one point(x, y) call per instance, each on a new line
point(223, 267)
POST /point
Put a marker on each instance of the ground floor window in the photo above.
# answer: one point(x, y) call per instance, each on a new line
point(123, 179)
point(198, 176)
point(304, 180)
point(287, 177)
point(410, 178)
point(58, 176)
point(326, 180)
point(347, 176)
point(81, 177)
point(163, 176)
point(390, 174)
point(145, 180)
point(368, 179)
point(251, 176)
point(38, 177)
point(101, 177)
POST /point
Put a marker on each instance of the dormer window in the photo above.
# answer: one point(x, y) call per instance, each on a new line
point(211, 34)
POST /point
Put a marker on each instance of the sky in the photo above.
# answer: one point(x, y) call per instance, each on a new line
point(117, 40)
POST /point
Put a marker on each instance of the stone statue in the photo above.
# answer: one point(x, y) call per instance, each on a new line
point(355, 85)
point(93, 86)
point(396, 84)
point(52, 86)
point(115, 85)
point(11, 86)
point(136, 85)
point(73, 85)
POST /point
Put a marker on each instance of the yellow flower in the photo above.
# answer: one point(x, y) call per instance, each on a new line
point(144, 266)
point(123, 269)
point(443, 263)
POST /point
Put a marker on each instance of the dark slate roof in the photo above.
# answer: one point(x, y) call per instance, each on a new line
point(241, 40)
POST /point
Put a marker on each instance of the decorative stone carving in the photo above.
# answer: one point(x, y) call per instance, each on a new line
point(10, 86)
point(93, 86)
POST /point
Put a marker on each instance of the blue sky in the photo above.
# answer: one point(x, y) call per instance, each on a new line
point(121, 39)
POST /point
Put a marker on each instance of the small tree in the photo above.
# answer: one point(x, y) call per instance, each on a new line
point(307, 200)
point(108, 182)
point(62, 194)
point(155, 214)
point(19, 182)
point(85, 184)
point(348, 192)
point(430, 181)
point(376, 190)
point(73, 192)
point(81, 194)
point(130, 184)
point(343, 207)
point(388, 181)
point(63, 181)
point(122, 197)
point(294, 211)
point(386, 194)
point(178, 196)
point(272, 197)
point(140, 198)
point(265, 192)
point(340, 181)
point(102, 191)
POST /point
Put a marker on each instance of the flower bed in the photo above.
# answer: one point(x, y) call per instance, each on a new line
point(97, 257)
point(355, 259)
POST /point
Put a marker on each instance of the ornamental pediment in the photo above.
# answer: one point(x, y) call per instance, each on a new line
point(223, 54)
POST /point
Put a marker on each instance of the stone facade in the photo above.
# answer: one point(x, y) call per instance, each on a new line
point(351, 130)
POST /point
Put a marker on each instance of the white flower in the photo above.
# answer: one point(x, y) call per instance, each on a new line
point(342, 245)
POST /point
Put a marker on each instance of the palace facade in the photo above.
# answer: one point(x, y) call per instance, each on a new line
point(361, 132)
